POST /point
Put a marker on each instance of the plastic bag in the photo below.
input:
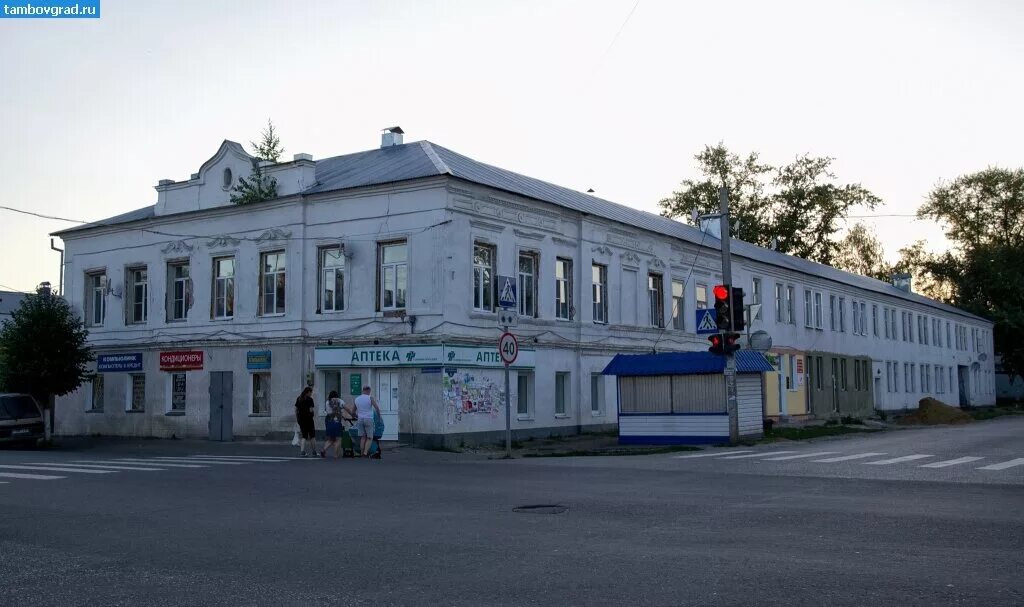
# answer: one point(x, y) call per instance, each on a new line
point(295, 438)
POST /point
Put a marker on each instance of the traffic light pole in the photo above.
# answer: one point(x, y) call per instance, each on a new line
point(730, 358)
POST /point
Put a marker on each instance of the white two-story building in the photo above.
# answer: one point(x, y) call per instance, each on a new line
point(378, 268)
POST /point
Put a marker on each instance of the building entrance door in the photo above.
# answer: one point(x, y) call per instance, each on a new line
point(387, 399)
point(221, 390)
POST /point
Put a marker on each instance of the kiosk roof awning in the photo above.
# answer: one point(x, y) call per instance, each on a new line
point(685, 363)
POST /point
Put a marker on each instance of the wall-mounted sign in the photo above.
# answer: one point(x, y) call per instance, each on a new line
point(181, 361)
point(485, 356)
point(378, 356)
point(258, 359)
point(114, 363)
point(355, 384)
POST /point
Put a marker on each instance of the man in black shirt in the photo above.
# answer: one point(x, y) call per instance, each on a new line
point(304, 414)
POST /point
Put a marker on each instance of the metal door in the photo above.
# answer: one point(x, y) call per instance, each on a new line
point(387, 399)
point(221, 390)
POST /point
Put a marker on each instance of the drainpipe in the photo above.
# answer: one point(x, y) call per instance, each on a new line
point(60, 279)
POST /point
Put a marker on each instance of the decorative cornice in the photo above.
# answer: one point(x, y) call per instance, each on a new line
point(223, 241)
point(563, 241)
point(601, 250)
point(656, 263)
point(178, 246)
point(629, 242)
point(630, 258)
point(483, 225)
point(528, 235)
point(273, 234)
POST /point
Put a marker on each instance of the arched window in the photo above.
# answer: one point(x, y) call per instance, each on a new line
point(228, 178)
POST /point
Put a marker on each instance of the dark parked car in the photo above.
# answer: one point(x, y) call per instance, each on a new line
point(21, 420)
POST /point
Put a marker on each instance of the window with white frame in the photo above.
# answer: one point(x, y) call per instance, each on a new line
point(892, 321)
point(392, 276)
point(885, 321)
point(272, 283)
point(332, 279)
point(138, 295)
point(596, 394)
point(910, 326)
point(756, 295)
point(223, 287)
point(856, 375)
point(949, 336)
point(700, 294)
point(563, 288)
point(913, 377)
point(833, 316)
point(808, 309)
point(908, 374)
point(524, 394)
point(863, 318)
point(923, 331)
point(924, 378)
point(678, 305)
point(483, 277)
point(791, 304)
point(96, 393)
point(818, 315)
point(903, 324)
point(856, 317)
point(179, 290)
point(561, 394)
point(260, 394)
point(779, 303)
point(874, 320)
point(792, 383)
point(95, 298)
point(599, 291)
point(137, 392)
point(895, 376)
point(843, 363)
point(888, 376)
point(178, 398)
point(656, 297)
point(528, 284)
point(842, 314)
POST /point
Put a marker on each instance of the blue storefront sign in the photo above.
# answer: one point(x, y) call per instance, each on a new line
point(115, 363)
point(259, 359)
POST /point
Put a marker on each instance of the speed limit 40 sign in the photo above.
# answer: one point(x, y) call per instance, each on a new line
point(508, 348)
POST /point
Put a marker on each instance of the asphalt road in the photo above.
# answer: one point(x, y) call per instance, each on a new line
point(257, 527)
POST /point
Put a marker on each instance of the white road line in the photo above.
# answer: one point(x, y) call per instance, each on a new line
point(241, 459)
point(1004, 465)
point(716, 454)
point(34, 477)
point(108, 466)
point(758, 454)
point(801, 456)
point(57, 469)
point(185, 460)
point(897, 460)
point(141, 462)
point(952, 462)
point(846, 458)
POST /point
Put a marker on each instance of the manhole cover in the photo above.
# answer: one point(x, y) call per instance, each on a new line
point(541, 509)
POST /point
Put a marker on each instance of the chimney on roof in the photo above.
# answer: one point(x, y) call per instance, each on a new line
point(391, 136)
point(903, 282)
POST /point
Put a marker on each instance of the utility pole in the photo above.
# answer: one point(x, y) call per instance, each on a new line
point(730, 358)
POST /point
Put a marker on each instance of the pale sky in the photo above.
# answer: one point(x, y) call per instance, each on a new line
point(94, 112)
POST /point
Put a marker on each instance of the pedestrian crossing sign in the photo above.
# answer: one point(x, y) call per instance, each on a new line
point(707, 322)
point(507, 292)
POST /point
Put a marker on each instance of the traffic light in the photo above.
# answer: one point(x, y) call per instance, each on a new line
point(739, 319)
point(731, 343)
point(723, 315)
point(716, 344)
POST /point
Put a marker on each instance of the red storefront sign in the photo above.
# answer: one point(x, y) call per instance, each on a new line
point(178, 361)
point(800, 365)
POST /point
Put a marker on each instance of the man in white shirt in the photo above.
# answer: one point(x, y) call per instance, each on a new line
point(365, 406)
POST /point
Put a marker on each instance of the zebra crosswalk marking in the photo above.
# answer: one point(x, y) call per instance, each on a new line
point(56, 469)
point(185, 460)
point(846, 458)
point(239, 458)
point(800, 456)
point(758, 454)
point(129, 460)
point(104, 466)
point(1004, 465)
point(952, 462)
point(716, 454)
point(897, 460)
point(34, 477)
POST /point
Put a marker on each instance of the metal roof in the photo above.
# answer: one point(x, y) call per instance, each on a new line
point(423, 159)
point(9, 301)
point(684, 363)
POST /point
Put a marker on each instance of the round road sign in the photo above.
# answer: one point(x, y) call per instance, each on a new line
point(508, 348)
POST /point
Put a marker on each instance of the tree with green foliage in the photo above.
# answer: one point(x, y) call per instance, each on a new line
point(43, 349)
point(860, 252)
point(983, 215)
point(798, 208)
point(269, 147)
point(257, 187)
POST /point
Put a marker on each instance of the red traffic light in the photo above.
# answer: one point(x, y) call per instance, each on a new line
point(721, 292)
point(717, 347)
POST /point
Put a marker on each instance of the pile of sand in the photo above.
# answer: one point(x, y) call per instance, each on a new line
point(931, 411)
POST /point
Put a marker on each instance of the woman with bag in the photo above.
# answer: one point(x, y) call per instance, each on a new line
point(332, 422)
